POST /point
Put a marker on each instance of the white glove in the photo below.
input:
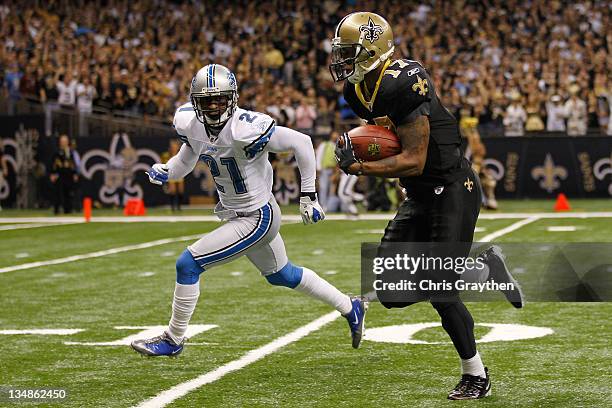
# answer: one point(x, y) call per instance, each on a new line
point(311, 210)
point(158, 174)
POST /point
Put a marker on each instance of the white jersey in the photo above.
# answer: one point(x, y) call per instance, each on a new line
point(237, 158)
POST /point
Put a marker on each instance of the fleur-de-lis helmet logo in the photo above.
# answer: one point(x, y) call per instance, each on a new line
point(371, 30)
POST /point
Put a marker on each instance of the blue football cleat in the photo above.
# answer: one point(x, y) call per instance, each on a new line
point(356, 320)
point(158, 346)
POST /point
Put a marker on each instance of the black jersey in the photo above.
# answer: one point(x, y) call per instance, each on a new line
point(403, 92)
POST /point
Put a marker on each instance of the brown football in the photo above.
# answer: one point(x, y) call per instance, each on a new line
point(371, 142)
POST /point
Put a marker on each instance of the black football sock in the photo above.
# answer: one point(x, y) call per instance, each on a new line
point(458, 323)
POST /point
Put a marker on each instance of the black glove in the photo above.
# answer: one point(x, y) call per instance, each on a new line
point(345, 156)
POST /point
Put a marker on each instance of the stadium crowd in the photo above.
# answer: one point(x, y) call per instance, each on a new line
point(515, 65)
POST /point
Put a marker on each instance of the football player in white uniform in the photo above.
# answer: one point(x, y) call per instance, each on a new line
point(235, 143)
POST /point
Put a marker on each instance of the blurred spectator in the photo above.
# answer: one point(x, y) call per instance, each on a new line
point(555, 115)
point(85, 96)
point(609, 132)
point(324, 122)
point(515, 117)
point(576, 113)
point(305, 116)
point(174, 188)
point(281, 49)
point(86, 93)
point(66, 89)
point(534, 115)
point(12, 80)
point(326, 166)
point(274, 61)
point(64, 176)
point(345, 110)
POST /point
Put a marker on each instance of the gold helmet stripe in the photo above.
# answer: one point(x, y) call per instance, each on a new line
point(337, 34)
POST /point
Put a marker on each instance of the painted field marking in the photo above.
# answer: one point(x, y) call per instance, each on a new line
point(144, 332)
point(510, 228)
point(43, 332)
point(561, 228)
point(26, 225)
point(166, 397)
point(293, 217)
point(403, 333)
point(146, 274)
point(98, 254)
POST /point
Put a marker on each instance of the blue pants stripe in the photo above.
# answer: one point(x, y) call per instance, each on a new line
point(262, 228)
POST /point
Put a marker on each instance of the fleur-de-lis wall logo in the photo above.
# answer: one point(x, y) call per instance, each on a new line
point(372, 31)
point(19, 154)
point(603, 168)
point(495, 168)
point(549, 174)
point(119, 165)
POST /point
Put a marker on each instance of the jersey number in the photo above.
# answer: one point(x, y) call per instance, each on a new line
point(247, 118)
point(232, 169)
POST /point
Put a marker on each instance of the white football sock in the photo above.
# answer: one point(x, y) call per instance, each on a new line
point(473, 366)
point(183, 305)
point(317, 287)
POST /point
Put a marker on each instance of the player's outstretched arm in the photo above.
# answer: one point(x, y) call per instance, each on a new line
point(414, 137)
point(176, 168)
point(286, 139)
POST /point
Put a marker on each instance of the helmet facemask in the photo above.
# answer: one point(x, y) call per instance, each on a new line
point(346, 61)
point(214, 109)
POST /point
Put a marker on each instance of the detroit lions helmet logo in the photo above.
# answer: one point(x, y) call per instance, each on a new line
point(232, 80)
point(372, 31)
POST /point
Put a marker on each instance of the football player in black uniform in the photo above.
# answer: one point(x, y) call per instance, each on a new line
point(444, 195)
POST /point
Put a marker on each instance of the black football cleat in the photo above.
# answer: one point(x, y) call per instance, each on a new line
point(471, 387)
point(498, 272)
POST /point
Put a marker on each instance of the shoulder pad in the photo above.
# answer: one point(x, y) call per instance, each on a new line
point(253, 131)
point(183, 118)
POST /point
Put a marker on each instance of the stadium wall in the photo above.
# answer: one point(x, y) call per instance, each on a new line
point(113, 168)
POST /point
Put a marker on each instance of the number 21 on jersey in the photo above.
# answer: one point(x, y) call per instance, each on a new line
point(232, 168)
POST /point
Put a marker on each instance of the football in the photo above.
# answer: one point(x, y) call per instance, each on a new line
point(371, 142)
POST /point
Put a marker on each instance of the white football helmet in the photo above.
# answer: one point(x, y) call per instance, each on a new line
point(214, 95)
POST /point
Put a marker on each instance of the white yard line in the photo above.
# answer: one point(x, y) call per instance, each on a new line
point(166, 397)
point(98, 253)
point(31, 225)
point(510, 228)
point(292, 217)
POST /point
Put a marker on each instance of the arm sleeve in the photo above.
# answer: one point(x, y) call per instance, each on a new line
point(285, 139)
point(183, 163)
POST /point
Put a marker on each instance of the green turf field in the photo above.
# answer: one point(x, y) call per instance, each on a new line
point(569, 368)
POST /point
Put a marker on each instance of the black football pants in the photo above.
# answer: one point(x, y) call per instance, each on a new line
point(431, 215)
